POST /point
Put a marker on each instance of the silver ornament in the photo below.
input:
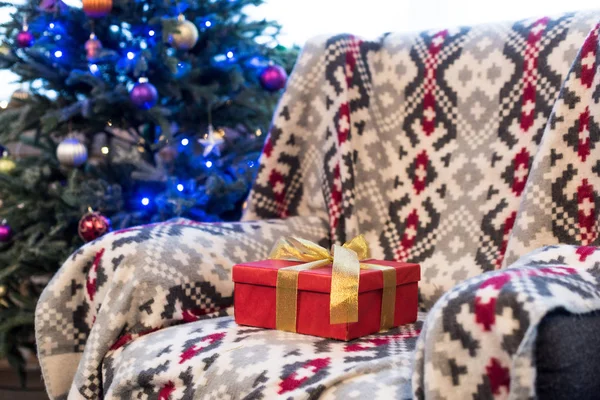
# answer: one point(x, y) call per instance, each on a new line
point(71, 153)
point(186, 35)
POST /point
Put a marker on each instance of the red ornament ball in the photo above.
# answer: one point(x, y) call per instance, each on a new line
point(5, 232)
point(92, 48)
point(144, 95)
point(273, 78)
point(93, 225)
point(24, 39)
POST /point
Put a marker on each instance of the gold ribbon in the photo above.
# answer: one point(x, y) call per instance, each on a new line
point(346, 266)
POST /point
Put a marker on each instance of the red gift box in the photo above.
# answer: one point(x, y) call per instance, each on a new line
point(255, 298)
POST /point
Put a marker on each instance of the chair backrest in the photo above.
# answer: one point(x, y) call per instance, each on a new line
point(421, 142)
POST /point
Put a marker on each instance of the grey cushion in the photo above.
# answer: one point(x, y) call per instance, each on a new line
point(568, 356)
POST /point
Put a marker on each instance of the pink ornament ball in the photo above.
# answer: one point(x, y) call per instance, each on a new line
point(24, 39)
point(273, 78)
point(5, 233)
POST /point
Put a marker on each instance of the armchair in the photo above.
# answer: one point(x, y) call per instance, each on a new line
point(461, 150)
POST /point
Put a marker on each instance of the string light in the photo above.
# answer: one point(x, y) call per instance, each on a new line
point(208, 24)
point(151, 33)
point(58, 54)
point(93, 68)
point(145, 201)
point(230, 54)
point(104, 150)
point(258, 132)
point(180, 187)
point(208, 164)
point(130, 55)
point(51, 25)
point(251, 164)
point(185, 142)
point(114, 28)
point(143, 45)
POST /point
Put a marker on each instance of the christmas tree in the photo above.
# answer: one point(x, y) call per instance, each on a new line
point(130, 112)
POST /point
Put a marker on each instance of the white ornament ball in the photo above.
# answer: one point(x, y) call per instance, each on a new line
point(71, 153)
point(186, 36)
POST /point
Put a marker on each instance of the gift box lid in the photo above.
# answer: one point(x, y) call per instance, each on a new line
point(264, 273)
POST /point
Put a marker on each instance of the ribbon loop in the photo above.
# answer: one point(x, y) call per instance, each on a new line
point(346, 266)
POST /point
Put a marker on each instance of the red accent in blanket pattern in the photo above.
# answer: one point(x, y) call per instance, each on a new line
point(90, 283)
point(408, 237)
point(420, 179)
point(431, 66)
point(588, 58)
point(166, 391)
point(268, 147)
point(354, 47)
point(343, 123)
point(584, 252)
point(499, 376)
point(521, 170)
point(335, 201)
point(302, 374)
point(508, 225)
point(200, 345)
point(586, 214)
point(277, 182)
point(530, 74)
point(379, 341)
point(485, 299)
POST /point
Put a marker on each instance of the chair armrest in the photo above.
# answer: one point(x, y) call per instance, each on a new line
point(479, 339)
point(132, 282)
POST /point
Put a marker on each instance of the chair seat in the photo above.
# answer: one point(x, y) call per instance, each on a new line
point(217, 359)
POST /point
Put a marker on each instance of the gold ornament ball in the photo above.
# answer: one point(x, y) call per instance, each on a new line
point(97, 8)
point(186, 35)
point(6, 165)
point(71, 153)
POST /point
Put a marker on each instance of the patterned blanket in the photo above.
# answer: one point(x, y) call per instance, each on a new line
point(461, 150)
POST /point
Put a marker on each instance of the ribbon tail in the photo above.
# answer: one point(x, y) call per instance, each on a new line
point(343, 306)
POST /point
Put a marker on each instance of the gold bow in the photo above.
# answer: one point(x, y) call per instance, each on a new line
point(346, 266)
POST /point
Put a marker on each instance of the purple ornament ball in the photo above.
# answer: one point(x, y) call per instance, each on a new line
point(273, 78)
point(144, 95)
point(5, 233)
point(24, 39)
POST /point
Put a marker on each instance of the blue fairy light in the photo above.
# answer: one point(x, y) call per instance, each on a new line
point(207, 24)
point(114, 28)
point(93, 68)
point(230, 54)
point(185, 142)
point(143, 45)
point(208, 164)
point(151, 33)
point(58, 54)
point(180, 187)
point(51, 25)
point(145, 201)
point(251, 164)
point(130, 55)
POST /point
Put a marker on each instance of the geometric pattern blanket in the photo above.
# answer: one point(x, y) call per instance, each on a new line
point(464, 150)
